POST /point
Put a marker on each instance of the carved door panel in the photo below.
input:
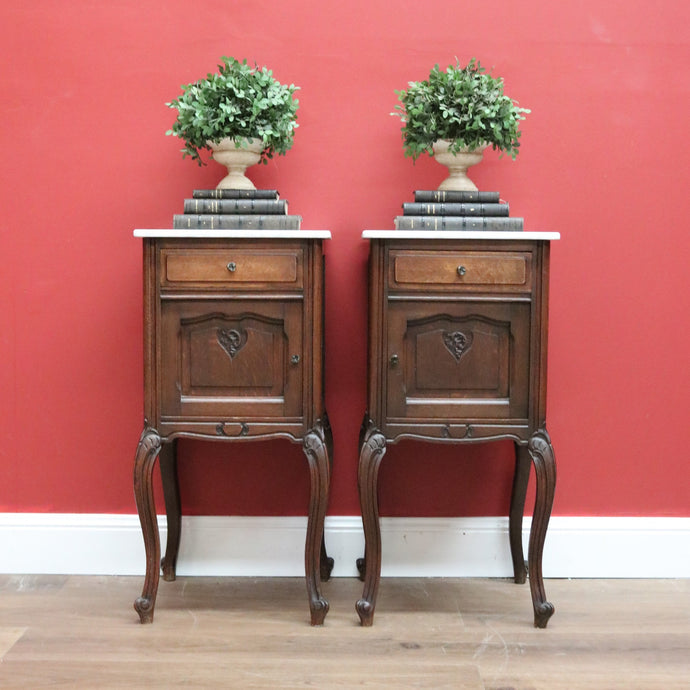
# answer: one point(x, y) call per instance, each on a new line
point(467, 360)
point(221, 359)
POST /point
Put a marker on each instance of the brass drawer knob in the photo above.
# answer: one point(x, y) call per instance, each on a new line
point(232, 267)
point(394, 360)
point(461, 271)
point(294, 359)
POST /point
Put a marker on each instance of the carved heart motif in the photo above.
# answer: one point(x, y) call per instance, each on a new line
point(231, 340)
point(457, 343)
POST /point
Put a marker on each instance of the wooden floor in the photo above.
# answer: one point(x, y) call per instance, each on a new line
point(82, 632)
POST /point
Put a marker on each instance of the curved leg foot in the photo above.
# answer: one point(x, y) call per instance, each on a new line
point(542, 613)
point(543, 458)
point(326, 563)
point(373, 448)
point(144, 607)
point(365, 611)
point(316, 450)
point(167, 461)
point(361, 564)
point(147, 450)
point(517, 509)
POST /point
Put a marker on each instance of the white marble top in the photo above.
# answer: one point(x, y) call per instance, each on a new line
point(457, 235)
point(236, 234)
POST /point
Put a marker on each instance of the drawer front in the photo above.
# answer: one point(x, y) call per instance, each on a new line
point(463, 360)
point(444, 270)
point(239, 267)
point(227, 361)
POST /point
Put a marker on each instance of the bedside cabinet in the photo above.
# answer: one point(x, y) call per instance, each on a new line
point(458, 326)
point(233, 352)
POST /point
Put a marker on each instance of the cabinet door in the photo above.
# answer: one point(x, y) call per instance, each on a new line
point(458, 360)
point(231, 358)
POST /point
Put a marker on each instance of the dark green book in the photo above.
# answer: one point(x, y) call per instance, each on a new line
point(458, 223)
point(455, 209)
point(223, 206)
point(239, 221)
point(235, 194)
point(447, 196)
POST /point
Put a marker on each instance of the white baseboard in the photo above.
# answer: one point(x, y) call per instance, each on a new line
point(577, 547)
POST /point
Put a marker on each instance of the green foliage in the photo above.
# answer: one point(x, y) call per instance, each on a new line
point(464, 105)
point(239, 102)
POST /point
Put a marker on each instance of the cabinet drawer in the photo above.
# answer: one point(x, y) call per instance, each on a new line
point(448, 270)
point(228, 267)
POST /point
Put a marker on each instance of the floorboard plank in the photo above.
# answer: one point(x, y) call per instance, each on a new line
point(82, 632)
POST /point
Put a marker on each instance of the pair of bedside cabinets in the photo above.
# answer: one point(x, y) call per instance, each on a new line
point(233, 351)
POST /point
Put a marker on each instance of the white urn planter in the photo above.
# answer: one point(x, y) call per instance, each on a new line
point(457, 164)
point(236, 159)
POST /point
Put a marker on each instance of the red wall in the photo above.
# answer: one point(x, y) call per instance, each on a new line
point(604, 162)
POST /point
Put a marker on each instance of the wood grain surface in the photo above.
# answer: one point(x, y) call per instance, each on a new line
point(81, 632)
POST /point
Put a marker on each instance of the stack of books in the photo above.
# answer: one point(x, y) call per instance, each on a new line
point(236, 209)
point(454, 210)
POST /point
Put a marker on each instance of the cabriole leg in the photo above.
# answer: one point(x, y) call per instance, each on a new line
point(171, 493)
point(147, 451)
point(373, 448)
point(316, 450)
point(326, 563)
point(517, 510)
point(543, 458)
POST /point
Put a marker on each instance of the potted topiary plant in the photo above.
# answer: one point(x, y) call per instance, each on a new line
point(240, 113)
point(454, 115)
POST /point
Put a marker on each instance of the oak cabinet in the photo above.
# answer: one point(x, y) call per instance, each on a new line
point(233, 352)
point(457, 344)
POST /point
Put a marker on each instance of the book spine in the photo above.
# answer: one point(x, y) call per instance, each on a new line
point(209, 221)
point(235, 194)
point(455, 209)
point(223, 206)
point(458, 223)
point(445, 196)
